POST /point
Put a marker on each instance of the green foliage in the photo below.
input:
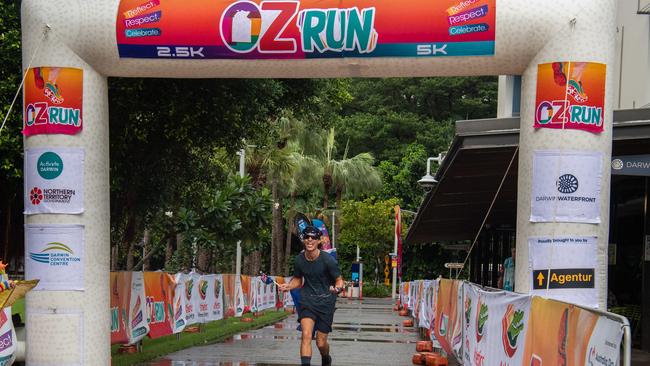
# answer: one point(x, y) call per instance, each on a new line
point(380, 290)
point(233, 211)
point(370, 225)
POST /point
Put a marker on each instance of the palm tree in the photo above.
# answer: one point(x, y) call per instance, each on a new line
point(350, 177)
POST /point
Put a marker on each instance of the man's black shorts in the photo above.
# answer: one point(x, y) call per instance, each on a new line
point(320, 325)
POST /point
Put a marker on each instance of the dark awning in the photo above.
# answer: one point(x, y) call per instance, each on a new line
point(475, 165)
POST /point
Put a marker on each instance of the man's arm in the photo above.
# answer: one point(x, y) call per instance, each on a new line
point(294, 283)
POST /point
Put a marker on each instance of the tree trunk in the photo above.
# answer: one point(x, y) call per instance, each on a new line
point(115, 251)
point(256, 261)
point(129, 255)
point(180, 251)
point(287, 248)
point(202, 259)
point(146, 247)
point(327, 184)
point(169, 250)
point(246, 265)
point(276, 228)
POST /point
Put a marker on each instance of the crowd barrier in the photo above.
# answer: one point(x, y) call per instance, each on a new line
point(157, 304)
point(480, 326)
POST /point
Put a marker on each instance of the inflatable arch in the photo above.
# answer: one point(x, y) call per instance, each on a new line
point(361, 39)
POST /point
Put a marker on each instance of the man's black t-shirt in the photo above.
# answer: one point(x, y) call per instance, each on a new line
point(318, 275)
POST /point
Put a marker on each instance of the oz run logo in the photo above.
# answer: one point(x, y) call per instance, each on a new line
point(203, 289)
point(55, 254)
point(481, 320)
point(511, 327)
point(267, 28)
point(567, 183)
point(189, 285)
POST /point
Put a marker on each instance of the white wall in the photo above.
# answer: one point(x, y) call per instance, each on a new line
point(633, 38)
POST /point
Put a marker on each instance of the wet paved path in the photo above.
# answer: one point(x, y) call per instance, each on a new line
point(366, 333)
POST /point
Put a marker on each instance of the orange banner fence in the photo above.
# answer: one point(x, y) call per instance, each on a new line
point(157, 304)
point(490, 327)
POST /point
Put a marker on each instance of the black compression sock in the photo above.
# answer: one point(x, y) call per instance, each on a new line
point(305, 360)
point(327, 360)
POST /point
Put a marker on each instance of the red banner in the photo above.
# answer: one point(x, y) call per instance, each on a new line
point(159, 287)
point(120, 292)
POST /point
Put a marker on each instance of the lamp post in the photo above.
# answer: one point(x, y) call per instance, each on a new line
point(242, 165)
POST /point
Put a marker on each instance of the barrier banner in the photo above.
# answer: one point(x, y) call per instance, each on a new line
point(227, 29)
point(448, 324)
point(563, 268)
point(205, 291)
point(120, 290)
point(427, 314)
point(159, 288)
point(566, 186)
point(287, 299)
point(244, 295)
point(128, 308)
point(229, 295)
point(494, 326)
point(180, 303)
point(216, 307)
point(53, 100)
point(560, 334)
point(54, 180)
point(7, 338)
point(138, 322)
point(240, 301)
point(54, 255)
point(571, 95)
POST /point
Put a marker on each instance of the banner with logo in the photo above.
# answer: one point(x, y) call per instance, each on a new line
point(120, 290)
point(54, 255)
point(558, 333)
point(448, 318)
point(564, 268)
point(604, 344)
point(571, 95)
point(205, 296)
point(287, 300)
point(159, 289)
point(240, 301)
point(215, 286)
point(7, 338)
point(180, 303)
point(566, 186)
point(53, 100)
point(54, 180)
point(138, 322)
point(191, 281)
point(227, 29)
point(494, 326)
point(631, 165)
point(229, 294)
point(428, 306)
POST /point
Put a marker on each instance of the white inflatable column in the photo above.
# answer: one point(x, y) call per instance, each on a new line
point(73, 327)
point(588, 36)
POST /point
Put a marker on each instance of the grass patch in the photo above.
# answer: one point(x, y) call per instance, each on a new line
point(213, 332)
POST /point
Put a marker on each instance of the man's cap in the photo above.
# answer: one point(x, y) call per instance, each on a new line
point(311, 232)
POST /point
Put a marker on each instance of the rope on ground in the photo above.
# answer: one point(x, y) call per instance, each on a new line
point(487, 214)
point(22, 82)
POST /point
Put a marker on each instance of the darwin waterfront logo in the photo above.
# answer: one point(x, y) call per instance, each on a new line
point(567, 183)
point(55, 254)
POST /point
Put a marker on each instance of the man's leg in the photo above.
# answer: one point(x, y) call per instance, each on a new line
point(307, 325)
point(323, 347)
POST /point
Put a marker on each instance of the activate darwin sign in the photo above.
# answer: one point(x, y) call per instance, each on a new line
point(570, 95)
point(226, 29)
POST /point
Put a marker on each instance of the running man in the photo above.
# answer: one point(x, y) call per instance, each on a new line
point(319, 275)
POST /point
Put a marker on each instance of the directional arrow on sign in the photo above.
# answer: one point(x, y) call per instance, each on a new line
point(540, 279)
